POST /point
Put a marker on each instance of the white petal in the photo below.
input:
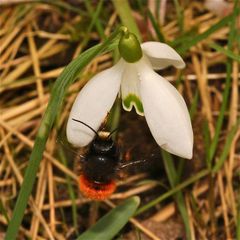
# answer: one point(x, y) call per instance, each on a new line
point(166, 114)
point(161, 55)
point(92, 104)
point(130, 89)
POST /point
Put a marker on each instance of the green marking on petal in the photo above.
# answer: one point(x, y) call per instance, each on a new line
point(133, 100)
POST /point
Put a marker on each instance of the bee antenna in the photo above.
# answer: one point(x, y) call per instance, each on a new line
point(111, 133)
point(85, 125)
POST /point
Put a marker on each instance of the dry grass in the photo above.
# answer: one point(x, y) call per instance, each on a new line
point(36, 42)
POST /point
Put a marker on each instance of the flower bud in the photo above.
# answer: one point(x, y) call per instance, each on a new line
point(129, 47)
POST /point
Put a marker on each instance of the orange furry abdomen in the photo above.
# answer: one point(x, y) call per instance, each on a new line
point(96, 191)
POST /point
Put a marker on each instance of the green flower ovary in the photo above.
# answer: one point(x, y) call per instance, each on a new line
point(129, 47)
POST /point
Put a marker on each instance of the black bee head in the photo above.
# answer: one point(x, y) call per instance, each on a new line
point(103, 146)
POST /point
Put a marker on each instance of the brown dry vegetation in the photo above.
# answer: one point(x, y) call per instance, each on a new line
point(36, 42)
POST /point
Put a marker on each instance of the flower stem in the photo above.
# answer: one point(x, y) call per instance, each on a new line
point(124, 11)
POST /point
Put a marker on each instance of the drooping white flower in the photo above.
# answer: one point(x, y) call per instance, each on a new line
point(142, 88)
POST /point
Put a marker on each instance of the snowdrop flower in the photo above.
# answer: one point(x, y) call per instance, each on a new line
point(141, 88)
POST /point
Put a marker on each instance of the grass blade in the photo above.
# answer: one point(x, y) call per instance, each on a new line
point(176, 189)
point(227, 52)
point(71, 192)
point(173, 179)
point(226, 148)
point(62, 83)
point(109, 225)
point(194, 105)
point(186, 45)
point(95, 19)
point(179, 11)
point(226, 92)
point(156, 27)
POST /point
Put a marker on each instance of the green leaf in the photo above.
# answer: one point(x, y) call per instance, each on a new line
point(226, 147)
point(194, 105)
point(109, 225)
point(156, 27)
point(71, 192)
point(95, 18)
point(179, 11)
point(174, 180)
point(225, 51)
point(227, 88)
point(174, 190)
point(68, 76)
point(186, 45)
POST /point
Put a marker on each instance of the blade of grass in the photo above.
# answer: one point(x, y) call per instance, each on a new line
point(94, 21)
point(176, 189)
point(141, 7)
point(194, 105)
point(179, 11)
point(179, 80)
point(214, 143)
point(184, 37)
point(186, 45)
point(97, 23)
point(158, 5)
point(215, 140)
point(109, 225)
point(183, 210)
point(180, 168)
point(156, 27)
point(225, 51)
point(226, 92)
point(226, 147)
point(196, 210)
point(172, 178)
point(62, 83)
point(169, 167)
point(70, 189)
point(207, 141)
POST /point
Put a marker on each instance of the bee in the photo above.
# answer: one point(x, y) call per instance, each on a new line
point(100, 164)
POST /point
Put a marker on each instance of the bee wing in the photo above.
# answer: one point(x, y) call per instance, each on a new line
point(144, 162)
point(132, 163)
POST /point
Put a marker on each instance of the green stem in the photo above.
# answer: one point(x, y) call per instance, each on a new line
point(188, 43)
point(179, 11)
point(93, 15)
point(227, 88)
point(71, 193)
point(176, 189)
point(125, 13)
